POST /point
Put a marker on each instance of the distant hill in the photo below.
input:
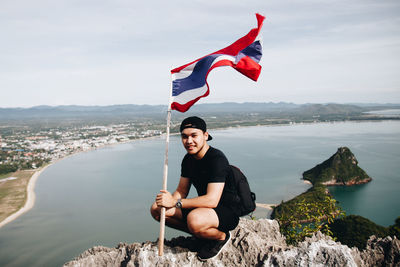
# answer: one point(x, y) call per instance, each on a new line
point(244, 107)
point(137, 110)
point(230, 111)
point(340, 169)
point(321, 109)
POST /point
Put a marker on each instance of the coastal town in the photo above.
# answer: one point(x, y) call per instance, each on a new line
point(25, 148)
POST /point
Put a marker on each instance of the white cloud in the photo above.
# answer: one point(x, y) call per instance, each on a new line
point(114, 52)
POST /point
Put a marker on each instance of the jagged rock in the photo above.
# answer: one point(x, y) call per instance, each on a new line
point(382, 252)
point(254, 243)
point(318, 250)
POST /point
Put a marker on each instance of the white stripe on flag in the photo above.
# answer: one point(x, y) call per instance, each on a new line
point(187, 71)
point(189, 95)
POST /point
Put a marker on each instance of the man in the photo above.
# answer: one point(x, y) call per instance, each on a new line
point(211, 215)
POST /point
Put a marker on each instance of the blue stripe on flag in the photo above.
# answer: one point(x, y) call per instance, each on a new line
point(254, 51)
point(197, 78)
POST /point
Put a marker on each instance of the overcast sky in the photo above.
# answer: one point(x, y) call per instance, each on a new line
point(105, 52)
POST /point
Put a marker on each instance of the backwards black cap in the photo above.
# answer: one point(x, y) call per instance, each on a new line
point(195, 122)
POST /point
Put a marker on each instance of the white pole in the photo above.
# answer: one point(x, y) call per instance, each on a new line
point(165, 177)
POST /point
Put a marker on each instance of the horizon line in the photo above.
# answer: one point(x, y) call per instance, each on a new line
point(212, 103)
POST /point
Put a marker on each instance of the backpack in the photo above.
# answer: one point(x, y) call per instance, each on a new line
point(247, 198)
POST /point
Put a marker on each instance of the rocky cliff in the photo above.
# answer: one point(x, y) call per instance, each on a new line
point(254, 243)
point(340, 169)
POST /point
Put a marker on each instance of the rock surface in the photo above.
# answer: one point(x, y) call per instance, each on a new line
point(254, 243)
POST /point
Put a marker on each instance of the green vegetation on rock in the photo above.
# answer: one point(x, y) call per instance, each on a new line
point(315, 194)
point(340, 169)
point(394, 230)
point(354, 230)
point(306, 214)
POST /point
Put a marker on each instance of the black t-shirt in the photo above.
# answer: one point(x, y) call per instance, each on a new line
point(212, 168)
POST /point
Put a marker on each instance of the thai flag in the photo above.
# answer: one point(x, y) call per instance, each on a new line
point(189, 82)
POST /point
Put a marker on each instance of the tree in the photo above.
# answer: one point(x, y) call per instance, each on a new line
point(355, 230)
point(8, 168)
point(306, 218)
point(394, 230)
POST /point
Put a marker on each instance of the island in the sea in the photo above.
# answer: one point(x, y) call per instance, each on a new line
point(340, 169)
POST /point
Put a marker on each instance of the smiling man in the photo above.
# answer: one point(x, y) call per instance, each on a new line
point(211, 215)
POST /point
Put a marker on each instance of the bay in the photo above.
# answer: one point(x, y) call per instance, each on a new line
point(103, 197)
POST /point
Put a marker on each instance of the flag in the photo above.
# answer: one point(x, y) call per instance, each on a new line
point(189, 82)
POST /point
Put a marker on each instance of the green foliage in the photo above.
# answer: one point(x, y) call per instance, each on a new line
point(354, 230)
point(304, 218)
point(394, 230)
point(314, 194)
point(8, 168)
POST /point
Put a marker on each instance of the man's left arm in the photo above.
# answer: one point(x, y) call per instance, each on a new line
point(209, 200)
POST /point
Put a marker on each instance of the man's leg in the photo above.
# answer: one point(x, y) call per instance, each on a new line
point(203, 223)
point(173, 217)
point(213, 225)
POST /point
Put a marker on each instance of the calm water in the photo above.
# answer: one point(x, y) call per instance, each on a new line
point(103, 197)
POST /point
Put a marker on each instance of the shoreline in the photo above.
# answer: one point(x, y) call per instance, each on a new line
point(30, 188)
point(30, 198)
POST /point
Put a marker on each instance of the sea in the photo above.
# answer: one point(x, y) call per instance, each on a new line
point(103, 197)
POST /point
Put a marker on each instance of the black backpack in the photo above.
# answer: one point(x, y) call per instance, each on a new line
point(247, 198)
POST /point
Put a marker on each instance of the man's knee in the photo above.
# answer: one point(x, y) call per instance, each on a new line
point(155, 211)
point(196, 222)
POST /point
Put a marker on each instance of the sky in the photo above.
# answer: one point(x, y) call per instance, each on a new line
point(107, 52)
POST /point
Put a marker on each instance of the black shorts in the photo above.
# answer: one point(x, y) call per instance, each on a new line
point(228, 220)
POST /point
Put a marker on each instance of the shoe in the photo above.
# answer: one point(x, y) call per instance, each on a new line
point(213, 248)
point(196, 244)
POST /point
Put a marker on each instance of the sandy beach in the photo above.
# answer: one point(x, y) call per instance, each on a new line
point(30, 201)
point(266, 206)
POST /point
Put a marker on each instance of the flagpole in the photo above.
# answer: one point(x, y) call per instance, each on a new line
point(165, 177)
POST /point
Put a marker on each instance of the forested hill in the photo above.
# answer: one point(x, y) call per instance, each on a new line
point(340, 169)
